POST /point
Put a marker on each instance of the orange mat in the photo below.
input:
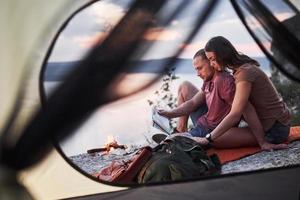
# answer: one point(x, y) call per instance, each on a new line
point(226, 155)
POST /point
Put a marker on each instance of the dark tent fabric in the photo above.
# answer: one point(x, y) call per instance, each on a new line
point(285, 41)
point(275, 185)
point(25, 143)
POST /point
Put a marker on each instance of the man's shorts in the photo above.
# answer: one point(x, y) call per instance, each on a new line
point(198, 131)
point(278, 133)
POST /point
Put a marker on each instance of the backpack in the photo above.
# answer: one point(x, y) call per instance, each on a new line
point(125, 171)
point(178, 158)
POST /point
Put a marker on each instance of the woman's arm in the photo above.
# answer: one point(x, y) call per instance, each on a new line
point(254, 123)
point(243, 89)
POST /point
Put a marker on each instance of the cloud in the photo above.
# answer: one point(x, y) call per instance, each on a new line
point(161, 34)
point(107, 14)
point(283, 16)
point(89, 41)
point(251, 49)
point(254, 24)
point(191, 49)
point(248, 48)
point(66, 49)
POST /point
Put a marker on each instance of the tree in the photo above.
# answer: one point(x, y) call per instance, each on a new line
point(164, 97)
point(289, 90)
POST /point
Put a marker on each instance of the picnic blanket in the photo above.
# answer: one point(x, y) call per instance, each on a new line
point(226, 155)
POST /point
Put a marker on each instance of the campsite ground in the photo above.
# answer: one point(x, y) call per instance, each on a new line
point(258, 161)
point(266, 160)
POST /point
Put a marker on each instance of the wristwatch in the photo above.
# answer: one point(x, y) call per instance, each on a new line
point(208, 137)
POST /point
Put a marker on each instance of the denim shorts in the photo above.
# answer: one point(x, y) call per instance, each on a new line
point(198, 113)
point(198, 131)
point(278, 133)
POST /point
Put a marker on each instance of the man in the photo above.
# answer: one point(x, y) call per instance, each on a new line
point(207, 106)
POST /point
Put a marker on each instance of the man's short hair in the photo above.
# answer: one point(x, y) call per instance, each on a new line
point(201, 53)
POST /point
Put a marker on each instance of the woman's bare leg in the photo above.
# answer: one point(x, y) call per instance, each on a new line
point(236, 137)
point(241, 137)
point(186, 91)
point(252, 119)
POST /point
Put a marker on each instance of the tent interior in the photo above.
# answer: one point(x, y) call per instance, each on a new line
point(76, 74)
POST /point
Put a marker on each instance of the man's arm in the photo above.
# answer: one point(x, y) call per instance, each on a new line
point(185, 108)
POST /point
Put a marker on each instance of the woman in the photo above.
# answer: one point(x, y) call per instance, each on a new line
point(256, 99)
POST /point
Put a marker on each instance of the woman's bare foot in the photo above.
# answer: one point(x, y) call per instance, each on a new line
point(266, 146)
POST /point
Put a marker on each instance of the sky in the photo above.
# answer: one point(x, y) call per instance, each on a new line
point(94, 22)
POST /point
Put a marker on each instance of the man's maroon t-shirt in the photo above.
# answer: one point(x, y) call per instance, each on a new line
point(219, 94)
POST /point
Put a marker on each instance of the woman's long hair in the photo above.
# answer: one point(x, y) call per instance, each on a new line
point(226, 54)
